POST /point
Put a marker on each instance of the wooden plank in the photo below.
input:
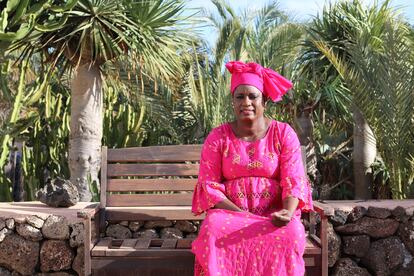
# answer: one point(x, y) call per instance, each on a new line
point(175, 153)
point(151, 213)
point(323, 208)
point(88, 211)
point(101, 247)
point(88, 246)
point(103, 176)
point(116, 243)
point(142, 185)
point(169, 243)
point(150, 253)
point(144, 266)
point(143, 243)
point(310, 270)
point(122, 247)
point(309, 261)
point(156, 243)
point(311, 247)
point(324, 242)
point(95, 235)
point(129, 243)
point(126, 200)
point(152, 170)
point(184, 243)
point(316, 239)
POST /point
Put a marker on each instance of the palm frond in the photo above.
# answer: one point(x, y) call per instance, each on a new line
point(96, 31)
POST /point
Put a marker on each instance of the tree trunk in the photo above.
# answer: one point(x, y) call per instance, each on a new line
point(304, 130)
point(365, 150)
point(85, 129)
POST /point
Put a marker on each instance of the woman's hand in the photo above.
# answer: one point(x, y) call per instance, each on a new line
point(281, 217)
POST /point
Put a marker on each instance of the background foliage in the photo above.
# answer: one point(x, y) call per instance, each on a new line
point(348, 54)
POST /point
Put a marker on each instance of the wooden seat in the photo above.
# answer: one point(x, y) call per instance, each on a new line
point(156, 183)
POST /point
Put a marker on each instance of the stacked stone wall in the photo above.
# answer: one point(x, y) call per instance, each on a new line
point(371, 241)
point(41, 245)
point(361, 241)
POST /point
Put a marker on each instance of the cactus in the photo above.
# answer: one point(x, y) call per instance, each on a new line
point(20, 18)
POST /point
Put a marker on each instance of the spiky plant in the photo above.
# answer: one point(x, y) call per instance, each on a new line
point(95, 32)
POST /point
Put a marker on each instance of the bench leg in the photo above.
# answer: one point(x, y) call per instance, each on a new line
point(87, 244)
point(324, 243)
point(130, 266)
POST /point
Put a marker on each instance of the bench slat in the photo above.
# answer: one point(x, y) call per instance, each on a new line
point(312, 247)
point(309, 261)
point(125, 200)
point(156, 243)
point(169, 243)
point(152, 170)
point(184, 243)
point(143, 185)
point(143, 243)
point(176, 153)
point(101, 247)
point(151, 213)
point(129, 243)
point(149, 253)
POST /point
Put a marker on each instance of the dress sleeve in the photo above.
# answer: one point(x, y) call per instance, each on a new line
point(209, 190)
point(293, 179)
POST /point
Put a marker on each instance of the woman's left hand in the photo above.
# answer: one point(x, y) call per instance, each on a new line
point(281, 217)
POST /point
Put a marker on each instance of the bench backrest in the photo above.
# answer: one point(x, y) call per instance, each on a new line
point(155, 176)
point(149, 176)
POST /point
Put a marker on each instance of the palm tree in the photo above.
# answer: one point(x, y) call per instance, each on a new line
point(330, 27)
point(375, 61)
point(203, 94)
point(95, 32)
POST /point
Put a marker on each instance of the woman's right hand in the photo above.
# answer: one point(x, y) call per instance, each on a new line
point(281, 218)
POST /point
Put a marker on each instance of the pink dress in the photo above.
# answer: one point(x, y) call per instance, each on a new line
point(256, 176)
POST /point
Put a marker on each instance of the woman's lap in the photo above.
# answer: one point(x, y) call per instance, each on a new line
point(238, 243)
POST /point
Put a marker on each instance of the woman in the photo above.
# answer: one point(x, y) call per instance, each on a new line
point(252, 185)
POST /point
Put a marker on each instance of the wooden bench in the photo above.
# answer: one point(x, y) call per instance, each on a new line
point(156, 183)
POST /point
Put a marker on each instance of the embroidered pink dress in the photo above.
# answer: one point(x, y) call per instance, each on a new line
point(256, 176)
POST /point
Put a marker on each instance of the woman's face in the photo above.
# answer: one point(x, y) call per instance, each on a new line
point(248, 103)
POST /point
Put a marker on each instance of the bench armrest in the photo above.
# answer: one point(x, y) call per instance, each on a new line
point(323, 209)
point(89, 211)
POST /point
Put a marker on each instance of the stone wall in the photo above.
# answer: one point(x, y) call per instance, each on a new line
point(152, 229)
point(370, 240)
point(41, 245)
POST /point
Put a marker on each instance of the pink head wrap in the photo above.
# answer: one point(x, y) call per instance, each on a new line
point(269, 82)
